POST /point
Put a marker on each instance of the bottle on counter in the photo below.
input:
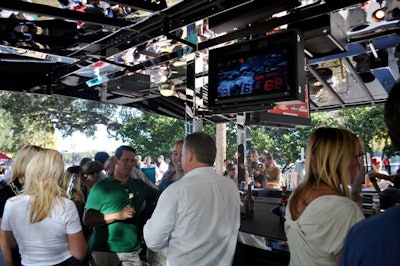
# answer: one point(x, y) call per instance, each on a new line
point(282, 207)
point(376, 206)
point(249, 202)
point(251, 181)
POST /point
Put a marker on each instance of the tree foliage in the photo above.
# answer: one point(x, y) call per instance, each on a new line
point(18, 131)
point(285, 144)
point(368, 124)
point(31, 118)
point(153, 134)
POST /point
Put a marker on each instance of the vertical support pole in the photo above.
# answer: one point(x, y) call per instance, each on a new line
point(241, 141)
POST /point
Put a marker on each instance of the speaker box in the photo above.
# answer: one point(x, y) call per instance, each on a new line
point(323, 35)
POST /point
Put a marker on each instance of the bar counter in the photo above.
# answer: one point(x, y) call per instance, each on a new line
point(262, 239)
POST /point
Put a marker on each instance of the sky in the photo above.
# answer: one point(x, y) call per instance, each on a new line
point(80, 143)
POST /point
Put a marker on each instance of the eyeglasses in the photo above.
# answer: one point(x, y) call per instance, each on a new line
point(359, 156)
point(233, 169)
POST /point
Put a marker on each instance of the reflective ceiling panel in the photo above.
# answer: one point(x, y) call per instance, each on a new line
point(122, 51)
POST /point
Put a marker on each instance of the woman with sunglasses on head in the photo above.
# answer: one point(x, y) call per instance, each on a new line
point(320, 211)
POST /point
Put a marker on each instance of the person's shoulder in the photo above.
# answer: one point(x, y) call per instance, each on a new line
point(68, 202)
point(335, 203)
point(18, 199)
point(385, 218)
point(103, 182)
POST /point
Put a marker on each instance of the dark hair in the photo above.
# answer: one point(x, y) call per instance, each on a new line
point(92, 167)
point(75, 169)
point(392, 115)
point(254, 165)
point(181, 141)
point(120, 149)
point(84, 161)
point(101, 156)
point(203, 146)
point(230, 166)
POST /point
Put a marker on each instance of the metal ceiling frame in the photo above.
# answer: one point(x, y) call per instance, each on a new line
point(164, 21)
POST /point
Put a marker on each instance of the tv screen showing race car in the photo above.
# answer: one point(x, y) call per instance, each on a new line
point(257, 74)
point(253, 75)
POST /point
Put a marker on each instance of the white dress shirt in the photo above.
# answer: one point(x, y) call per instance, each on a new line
point(198, 218)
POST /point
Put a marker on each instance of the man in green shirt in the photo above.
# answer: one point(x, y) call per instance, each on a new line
point(113, 209)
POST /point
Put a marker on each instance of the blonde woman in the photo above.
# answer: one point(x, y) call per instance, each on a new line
point(14, 188)
point(320, 211)
point(42, 220)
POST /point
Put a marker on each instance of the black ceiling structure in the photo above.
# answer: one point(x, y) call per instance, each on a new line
point(79, 52)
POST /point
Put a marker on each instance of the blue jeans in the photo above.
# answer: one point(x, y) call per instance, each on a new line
point(1, 260)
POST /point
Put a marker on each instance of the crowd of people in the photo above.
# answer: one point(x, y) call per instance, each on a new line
point(106, 211)
point(95, 212)
point(263, 173)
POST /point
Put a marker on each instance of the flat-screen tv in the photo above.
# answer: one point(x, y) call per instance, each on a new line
point(257, 74)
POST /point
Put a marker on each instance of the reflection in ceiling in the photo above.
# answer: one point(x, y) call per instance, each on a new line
point(153, 54)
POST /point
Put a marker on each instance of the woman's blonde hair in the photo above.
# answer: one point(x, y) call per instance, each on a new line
point(22, 159)
point(329, 154)
point(45, 184)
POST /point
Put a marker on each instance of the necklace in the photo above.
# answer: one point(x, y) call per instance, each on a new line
point(15, 189)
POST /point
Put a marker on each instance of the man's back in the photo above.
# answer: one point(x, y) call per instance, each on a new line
point(201, 213)
point(370, 243)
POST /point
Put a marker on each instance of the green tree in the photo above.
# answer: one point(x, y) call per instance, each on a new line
point(16, 132)
point(368, 123)
point(31, 118)
point(153, 134)
point(285, 144)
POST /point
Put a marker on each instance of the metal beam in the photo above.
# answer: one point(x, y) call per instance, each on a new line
point(357, 77)
point(300, 14)
point(325, 84)
point(149, 6)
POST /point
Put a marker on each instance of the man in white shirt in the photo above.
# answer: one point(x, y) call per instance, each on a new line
point(198, 218)
point(162, 168)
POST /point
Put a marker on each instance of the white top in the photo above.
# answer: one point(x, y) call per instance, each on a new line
point(43, 243)
point(163, 167)
point(198, 217)
point(319, 233)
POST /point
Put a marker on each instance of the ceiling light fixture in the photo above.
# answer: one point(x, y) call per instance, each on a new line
point(380, 13)
point(166, 89)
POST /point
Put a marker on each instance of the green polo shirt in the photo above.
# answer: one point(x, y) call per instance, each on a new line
point(110, 196)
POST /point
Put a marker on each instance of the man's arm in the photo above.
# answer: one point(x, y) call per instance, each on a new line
point(391, 178)
point(94, 218)
point(138, 174)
